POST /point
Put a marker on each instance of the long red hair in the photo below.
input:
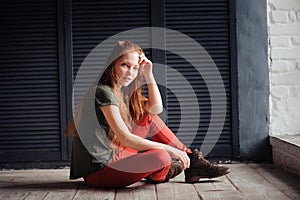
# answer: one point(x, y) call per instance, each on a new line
point(130, 98)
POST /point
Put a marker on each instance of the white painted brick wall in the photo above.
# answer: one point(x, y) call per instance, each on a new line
point(280, 16)
point(280, 41)
point(284, 63)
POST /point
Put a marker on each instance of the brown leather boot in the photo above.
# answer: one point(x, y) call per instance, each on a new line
point(175, 169)
point(202, 168)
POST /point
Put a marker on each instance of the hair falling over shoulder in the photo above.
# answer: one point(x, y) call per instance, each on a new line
point(71, 130)
point(130, 99)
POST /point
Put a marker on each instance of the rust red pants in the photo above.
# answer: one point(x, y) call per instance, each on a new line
point(129, 166)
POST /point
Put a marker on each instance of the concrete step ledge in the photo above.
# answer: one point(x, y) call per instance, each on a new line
point(286, 152)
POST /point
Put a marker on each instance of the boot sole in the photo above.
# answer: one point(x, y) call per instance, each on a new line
point(194, 179)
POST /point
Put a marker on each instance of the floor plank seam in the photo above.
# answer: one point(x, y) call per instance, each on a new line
point(198, 193)
point(27, 194)
point(233, 184)
point(115, 194)
point(77, 189)
point(156, 192)
point(45, 195)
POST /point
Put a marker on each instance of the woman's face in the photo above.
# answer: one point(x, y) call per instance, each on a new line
point(127, 68)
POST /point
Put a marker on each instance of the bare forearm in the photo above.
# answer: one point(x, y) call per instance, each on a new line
point(123, 134)
point(154, 97)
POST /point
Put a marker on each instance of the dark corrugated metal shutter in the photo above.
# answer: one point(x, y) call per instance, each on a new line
point(29, 81)
point(94, 21)
point(207, 22)
point(29, 73)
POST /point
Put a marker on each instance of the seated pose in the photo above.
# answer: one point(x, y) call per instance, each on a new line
point(111, 130)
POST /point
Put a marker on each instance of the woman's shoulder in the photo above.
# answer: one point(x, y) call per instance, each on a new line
point(101, 88)
point(105, 95)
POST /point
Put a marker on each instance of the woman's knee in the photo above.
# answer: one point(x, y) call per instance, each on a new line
point(162, 156)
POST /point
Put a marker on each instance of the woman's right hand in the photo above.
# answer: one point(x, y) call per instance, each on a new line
point(180, 155)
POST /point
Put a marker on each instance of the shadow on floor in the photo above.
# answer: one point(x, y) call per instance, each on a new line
point(53, 185)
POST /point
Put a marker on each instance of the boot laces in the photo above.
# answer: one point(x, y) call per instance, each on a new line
point(204, 161)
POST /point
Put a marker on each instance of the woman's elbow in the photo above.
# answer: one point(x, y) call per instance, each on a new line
point(156, 109)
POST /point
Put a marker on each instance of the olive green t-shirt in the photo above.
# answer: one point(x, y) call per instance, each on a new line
point(91, 148)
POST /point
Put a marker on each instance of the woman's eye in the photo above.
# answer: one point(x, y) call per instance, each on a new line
point(124, 64)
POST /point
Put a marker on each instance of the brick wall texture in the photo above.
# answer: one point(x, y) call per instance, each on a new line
point(284, 64)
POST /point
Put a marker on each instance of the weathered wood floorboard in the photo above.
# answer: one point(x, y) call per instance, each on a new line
point(86, 193)
point(285, 182)
point(219, 188)
point(137, 191)
point(252, 185)
point(177, 189)
point(246, 181)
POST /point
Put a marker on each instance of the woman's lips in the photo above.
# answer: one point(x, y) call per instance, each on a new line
point(127, 79)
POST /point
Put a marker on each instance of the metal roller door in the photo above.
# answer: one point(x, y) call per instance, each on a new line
point(207, 22)
point(30, 125)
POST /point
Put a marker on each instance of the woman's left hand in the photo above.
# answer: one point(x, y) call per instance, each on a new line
point(180, 155)
point(145, 66)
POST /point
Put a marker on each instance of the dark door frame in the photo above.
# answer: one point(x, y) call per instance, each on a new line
point(252, 78)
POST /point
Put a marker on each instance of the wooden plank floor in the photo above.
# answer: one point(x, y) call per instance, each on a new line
point(246, 181)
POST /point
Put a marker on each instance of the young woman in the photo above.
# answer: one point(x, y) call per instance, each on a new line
point(114, 152)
